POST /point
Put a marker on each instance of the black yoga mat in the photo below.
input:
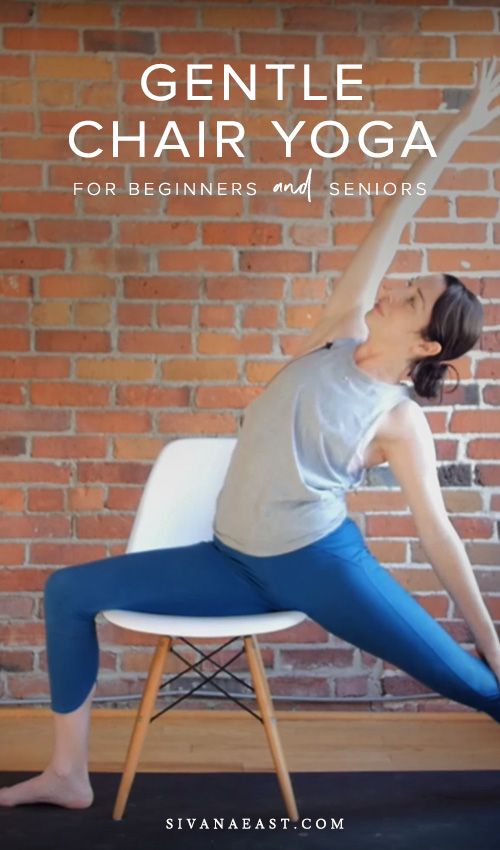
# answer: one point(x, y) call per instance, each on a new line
point(438, 810)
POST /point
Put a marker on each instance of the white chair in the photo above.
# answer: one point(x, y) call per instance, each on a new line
point(177, 509)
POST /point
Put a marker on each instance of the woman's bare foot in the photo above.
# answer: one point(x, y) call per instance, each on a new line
point(49, 787)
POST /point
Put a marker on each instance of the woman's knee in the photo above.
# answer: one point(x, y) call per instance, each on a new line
point(60, 590)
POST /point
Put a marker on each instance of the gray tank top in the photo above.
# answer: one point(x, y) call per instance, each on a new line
point(299, 450)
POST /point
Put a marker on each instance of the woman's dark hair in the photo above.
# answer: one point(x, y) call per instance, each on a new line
point(455, 322)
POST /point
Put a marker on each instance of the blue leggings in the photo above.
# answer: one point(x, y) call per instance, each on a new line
point(336, 581)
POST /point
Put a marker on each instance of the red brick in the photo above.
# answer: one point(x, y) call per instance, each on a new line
point(407, 99)
point(67, 394)
point(452, 20)
point(103, 526)
point(16, 13)
point(475, 421)
point(122, 41)
point(484, 46)
point(155, 342)
point(87, 498)
point(34, 367)
point(304, 18)
point(45, 499)
point(388, 73)
point(35, 526)
point(73, 67)
point(233, 288)
point(387, 20)
point(153, 396)
point(158, 16)
point(15, 176)
point(477, 152)
point(32, 258)
point(213, 317)
point(90, 341)
point(55, 93)
point(190, 261)
point(37, 203)
point(15, 340)
point(15, 121)
point(11, 501)
point(275, 261)
point(14, 66)
point(390, 526)
point(477, 207)
point(218, 369)
point(10, 660)
point(450, 232)
point(241, 233)
point(260, 317)
point(15, 230)
point(225, 17)
point(484, 449)
point(116, 422)
point(344, 45)
point(62, 14)
point(111, 260)
point(490, 287)
point(187, 43)
point(154, 232)
point(36, 148)
point(41, 39)
point(225, 397)
point(60, 230)
point(447, 73)
point(425, 47)
point(447, 260)
point(196, 423)
point(269, 44)
point(471, 527)
point(80, 286)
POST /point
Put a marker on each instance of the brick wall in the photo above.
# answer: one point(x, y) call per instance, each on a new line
point(129, 321)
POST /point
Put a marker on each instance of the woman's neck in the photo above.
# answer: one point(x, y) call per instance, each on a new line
point(386, 364)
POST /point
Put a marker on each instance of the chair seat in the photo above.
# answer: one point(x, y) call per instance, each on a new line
point(176, 626)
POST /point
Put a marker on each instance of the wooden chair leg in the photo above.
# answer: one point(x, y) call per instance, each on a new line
point(141, 724)
point(265, 704)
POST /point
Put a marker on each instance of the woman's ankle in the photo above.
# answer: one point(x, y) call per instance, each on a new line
point(68, 771)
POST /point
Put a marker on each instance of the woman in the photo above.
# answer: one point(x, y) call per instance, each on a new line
point(282, 538)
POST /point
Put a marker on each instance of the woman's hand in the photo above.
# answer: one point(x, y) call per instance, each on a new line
point(492, 659)
point(479, 110)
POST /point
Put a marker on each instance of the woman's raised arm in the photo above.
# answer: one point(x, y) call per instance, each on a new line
point(356, 290)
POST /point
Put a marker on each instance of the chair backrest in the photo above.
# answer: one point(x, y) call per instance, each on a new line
point(178, 504)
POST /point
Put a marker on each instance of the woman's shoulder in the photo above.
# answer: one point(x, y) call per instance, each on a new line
point(329, 329)
point(402, 422)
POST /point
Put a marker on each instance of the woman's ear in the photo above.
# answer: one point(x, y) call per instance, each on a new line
point(428, 348)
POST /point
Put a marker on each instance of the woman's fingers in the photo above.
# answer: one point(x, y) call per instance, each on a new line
point(493, 70)
point(488, 72)
point(479, 72)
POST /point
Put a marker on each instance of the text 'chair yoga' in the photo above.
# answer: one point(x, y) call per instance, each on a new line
point(177, 509)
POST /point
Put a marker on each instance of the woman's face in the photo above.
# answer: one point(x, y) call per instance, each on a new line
point(403, 312)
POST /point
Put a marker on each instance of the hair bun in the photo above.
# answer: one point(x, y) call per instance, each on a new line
point(436, 366)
